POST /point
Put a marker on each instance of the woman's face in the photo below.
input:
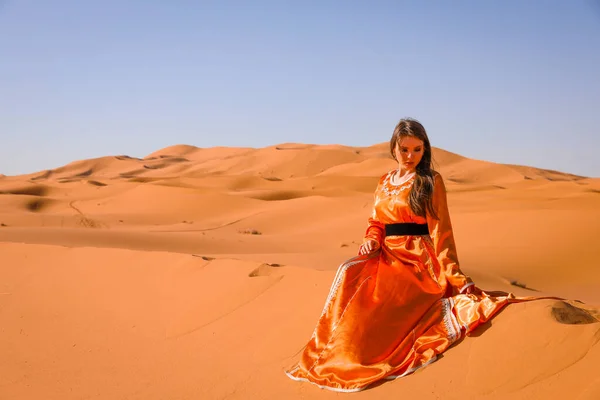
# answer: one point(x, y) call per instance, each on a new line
point(409, 152)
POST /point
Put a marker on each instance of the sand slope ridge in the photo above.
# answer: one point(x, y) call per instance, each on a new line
point(200, 272)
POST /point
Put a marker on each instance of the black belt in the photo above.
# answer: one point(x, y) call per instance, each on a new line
point(406, 228)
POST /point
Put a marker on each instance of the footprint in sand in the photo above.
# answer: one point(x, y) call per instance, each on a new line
point(189, 312)
point(84, 220)
point(205, 258)
point(265, 269)
point(569, 314)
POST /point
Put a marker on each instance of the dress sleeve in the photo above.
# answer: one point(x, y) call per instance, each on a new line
point(442, 235)
point(375, 228)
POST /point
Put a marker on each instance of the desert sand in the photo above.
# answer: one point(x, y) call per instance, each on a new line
point(199, 273)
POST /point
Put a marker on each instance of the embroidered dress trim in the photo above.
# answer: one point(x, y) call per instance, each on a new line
point(337, 280)
point(334, 328)
point(450, 321)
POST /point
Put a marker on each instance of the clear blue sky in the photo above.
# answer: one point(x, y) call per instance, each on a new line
point(508, 80)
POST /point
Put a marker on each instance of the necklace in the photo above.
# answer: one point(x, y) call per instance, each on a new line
point(400, 181)
point(390, 188)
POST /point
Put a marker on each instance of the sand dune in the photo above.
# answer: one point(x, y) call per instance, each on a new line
point(200, 272)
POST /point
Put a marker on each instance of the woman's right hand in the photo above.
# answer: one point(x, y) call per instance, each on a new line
point(368, 247)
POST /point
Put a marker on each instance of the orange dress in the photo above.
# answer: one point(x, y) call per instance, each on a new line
point(393, 311)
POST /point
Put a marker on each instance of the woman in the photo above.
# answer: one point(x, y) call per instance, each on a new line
point(404, 299)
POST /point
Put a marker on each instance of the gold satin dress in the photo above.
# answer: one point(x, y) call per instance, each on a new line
point(393, 311)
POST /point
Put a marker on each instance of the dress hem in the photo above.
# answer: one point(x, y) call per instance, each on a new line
point(387, 378)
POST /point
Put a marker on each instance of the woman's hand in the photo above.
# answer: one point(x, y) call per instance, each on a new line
point(368, 247)
point(469, 290)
